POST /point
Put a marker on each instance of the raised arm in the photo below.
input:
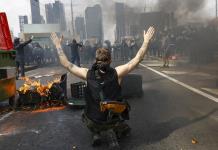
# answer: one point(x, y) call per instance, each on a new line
point(132, 64)
point(21, 45)
point(75, 70)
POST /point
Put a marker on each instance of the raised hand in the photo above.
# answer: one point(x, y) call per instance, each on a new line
point(149, 34)
point(57, 43)
point(62, 38)
point(55, 40)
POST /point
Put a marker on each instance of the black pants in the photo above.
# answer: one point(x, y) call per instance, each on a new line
point(97, 128)
point(75, 59)
point(20, 68)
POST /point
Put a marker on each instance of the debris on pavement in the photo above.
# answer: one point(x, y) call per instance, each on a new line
point(194, 141)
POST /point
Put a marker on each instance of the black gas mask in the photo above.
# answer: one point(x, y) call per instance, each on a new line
point(101, 68)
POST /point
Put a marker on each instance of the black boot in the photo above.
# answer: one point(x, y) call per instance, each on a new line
point(122, 130)
point(112, 140)
point(96, 141)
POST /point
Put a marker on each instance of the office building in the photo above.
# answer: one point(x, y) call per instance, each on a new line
point(35, 11)
point(80, 27)
point(22, 20)
point(55, 14)
point(120, 21)
point(93, 22)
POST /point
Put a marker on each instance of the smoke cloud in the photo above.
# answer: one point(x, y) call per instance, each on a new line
point(108, 19)
point(185, 10)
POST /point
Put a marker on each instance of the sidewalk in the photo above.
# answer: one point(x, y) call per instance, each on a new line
point(204, 77)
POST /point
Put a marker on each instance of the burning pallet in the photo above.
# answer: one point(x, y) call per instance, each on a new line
point(34, 93)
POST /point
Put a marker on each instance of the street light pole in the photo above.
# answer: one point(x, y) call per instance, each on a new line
point(145, 5)
point(216, 8)
point(72, 19)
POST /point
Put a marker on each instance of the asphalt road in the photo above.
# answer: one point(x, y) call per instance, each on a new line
point(167, 117)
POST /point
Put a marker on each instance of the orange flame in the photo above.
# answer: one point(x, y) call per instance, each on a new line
point(43, 90)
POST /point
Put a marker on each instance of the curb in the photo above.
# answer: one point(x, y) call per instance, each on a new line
point(29, 68)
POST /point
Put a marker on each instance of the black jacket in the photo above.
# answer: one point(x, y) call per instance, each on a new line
point(74, 48)
point(19, 47)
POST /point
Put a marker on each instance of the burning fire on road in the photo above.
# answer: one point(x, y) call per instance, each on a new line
point(37, 86)
point(34, 94)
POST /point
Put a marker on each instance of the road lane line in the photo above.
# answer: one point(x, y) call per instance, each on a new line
point(182, 84)
point(17, 131)
point(32, 75)
point(6, 116)
point(31, 72)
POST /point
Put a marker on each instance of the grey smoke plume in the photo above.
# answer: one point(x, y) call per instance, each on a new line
point(185, 10)
point(174, 5)
point(108, 19)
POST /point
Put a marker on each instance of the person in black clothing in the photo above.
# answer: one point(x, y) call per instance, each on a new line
point(124, 50)
point(169, 47)
point(103, 85)
point(38, 54)
point(75, 57)
point(20, 56)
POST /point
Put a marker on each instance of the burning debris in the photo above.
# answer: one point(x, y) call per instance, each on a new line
point(37, 86)
point(35, 93)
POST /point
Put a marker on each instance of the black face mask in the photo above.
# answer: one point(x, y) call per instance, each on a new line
point(101, 68)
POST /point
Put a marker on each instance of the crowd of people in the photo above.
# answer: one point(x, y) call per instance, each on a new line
point(190, 41)
point(35, 54)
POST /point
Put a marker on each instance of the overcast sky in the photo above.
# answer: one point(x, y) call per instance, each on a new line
point(22, 7)
point(14, 8)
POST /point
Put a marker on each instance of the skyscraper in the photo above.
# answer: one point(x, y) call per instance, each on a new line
point(72, 19)
point(55, 14)
point(35, 11)
point(59, 14)
point(49, 13)
point(22, 20)
point(80, 27)
point(42, 20)
point(120, 21)
point(93, 19)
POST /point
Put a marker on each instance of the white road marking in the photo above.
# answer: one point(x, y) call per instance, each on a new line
point(38, 76)
point(154, 65)
point(183, 84)
point(212, 91)
point(175, 72)
point(33, 75)
point(31, 72)
point(47, 75)
point(6, 116)
point(17, 131)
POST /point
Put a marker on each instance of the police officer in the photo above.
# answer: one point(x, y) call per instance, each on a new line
point(103, 82)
